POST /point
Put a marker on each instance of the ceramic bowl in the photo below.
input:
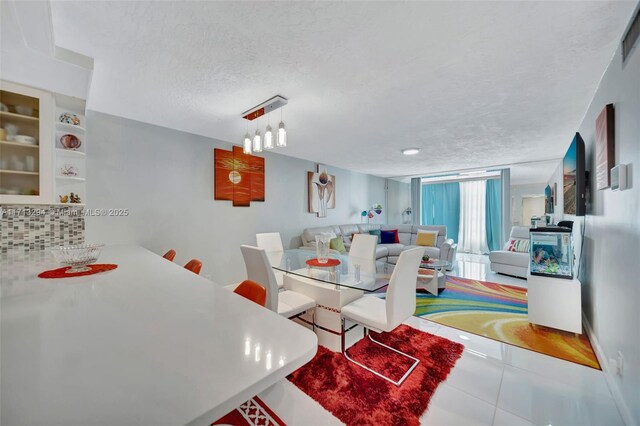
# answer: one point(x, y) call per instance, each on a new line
point(69, 118)
point(29, 140)
point(70, 142)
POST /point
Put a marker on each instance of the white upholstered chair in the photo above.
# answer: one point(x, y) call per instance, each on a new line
point(272, 244)
point(286, 303)
point(385, 315)
point(269, 241)
point(363, 246)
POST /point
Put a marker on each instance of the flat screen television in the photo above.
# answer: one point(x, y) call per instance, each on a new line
point(575, 178)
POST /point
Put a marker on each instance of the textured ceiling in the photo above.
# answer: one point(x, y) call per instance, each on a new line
point(472, 83)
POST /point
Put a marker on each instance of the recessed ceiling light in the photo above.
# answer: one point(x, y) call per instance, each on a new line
point(410, 151)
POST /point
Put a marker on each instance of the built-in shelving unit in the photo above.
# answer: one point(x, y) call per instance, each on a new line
point(55, 166)
point(67, 158)
point(25, 169)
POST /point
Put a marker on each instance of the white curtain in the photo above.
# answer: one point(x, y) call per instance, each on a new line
point(472, 237)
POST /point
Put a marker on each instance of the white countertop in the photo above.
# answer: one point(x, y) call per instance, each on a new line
point(148, 343)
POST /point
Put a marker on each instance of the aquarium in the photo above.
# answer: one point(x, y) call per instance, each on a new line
point(551, 252)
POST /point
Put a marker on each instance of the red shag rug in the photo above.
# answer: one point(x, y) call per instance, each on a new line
point(254, 412)
point(357, 396)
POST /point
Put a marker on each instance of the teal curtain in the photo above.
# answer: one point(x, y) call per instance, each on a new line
point(441, 206)
point(493, 213)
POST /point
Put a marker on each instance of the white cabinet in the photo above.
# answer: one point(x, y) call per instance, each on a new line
point(555, 302)
point(42, 146)
point(26, 149)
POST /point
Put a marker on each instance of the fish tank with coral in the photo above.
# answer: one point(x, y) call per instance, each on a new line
point(551, 252)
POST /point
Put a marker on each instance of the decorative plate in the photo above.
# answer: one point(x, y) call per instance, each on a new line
point(69, 118)
point(70, 142)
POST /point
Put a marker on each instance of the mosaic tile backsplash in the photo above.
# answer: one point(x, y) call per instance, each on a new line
point(38, 227)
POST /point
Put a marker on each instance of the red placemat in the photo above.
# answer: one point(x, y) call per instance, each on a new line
point(330, 262)
point(61, 272)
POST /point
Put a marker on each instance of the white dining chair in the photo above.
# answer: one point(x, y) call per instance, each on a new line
point(363, 246)
point(272, 244)
point(287, 303)
point(269, 241)
point(385, 315)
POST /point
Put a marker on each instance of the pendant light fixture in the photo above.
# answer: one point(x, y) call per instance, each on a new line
point(268, 136)
point(282, 133)
point(246, 144)
point(257, 144)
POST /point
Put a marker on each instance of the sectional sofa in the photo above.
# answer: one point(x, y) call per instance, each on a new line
point(407, 234)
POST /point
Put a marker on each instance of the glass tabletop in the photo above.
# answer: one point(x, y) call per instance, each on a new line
point(435, 264)
point(351, 272)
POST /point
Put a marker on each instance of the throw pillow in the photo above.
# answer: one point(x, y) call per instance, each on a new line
point(427, 238)
point(337, 244)
point(519, 245)
point(376, 232)
point(388, 237)
point(396, 238)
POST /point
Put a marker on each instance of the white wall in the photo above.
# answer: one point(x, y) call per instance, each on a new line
point(610, 264)
point(165, 178)
point(398, 199)
point(517, 192)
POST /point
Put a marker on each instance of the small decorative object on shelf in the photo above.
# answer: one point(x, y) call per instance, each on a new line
point(69, 118)
point(74, 198)
point(70, 142)
point(69, 170)
point(64, 198)
point(425, 258)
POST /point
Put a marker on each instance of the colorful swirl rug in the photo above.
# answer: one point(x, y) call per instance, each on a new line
point(499, 312)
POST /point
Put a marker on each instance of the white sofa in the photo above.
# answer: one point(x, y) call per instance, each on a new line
point(511, 262)
point(407, 234)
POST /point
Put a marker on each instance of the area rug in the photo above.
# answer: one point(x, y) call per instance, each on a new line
point(499, 312)
point(254, 412)
point(358, 397)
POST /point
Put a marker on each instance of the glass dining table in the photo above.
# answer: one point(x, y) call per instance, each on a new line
point(342, 271)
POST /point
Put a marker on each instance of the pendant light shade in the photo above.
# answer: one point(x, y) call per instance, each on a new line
point(257, 142)
point(246, 145)
point(282, 135)
point(268, 138)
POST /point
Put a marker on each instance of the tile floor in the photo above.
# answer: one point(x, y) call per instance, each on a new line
point(493, 383)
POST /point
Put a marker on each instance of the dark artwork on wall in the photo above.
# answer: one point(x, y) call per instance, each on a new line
point(548, 200)
point(605, 154)
point(238, 177)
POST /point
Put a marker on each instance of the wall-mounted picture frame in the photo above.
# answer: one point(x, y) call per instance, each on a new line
point(605, 149)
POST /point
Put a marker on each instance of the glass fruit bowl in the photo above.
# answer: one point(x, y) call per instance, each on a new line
point(78, 257)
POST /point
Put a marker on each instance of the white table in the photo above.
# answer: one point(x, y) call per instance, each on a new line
point(147, 343)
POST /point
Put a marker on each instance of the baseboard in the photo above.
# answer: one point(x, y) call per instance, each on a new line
point(616, 393)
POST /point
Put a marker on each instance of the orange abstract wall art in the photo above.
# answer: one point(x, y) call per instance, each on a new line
point(238, 177)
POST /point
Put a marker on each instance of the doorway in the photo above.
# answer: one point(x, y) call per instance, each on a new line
point(532, 205)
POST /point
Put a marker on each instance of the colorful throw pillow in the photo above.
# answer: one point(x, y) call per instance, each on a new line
point(427, 238)
point(337, 244)
point(389, 236)
point(519, 245)
point(378, 233)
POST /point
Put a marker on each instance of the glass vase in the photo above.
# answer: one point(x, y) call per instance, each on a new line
point(322, 247)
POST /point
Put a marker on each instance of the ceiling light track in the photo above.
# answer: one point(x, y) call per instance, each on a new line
point(258, 143)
